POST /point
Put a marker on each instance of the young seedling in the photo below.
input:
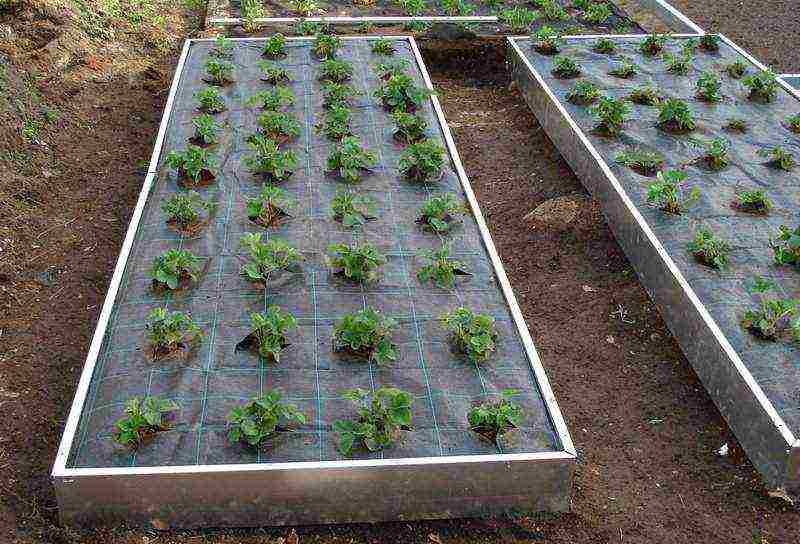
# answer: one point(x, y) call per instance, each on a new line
point(335, 71)
point(491, 420)
point(641, 161)
point(794, 123)
point(709, 42)
point(624, 70)
point(786, 246)
point(583, 93)
point(171, 333)
point(262, 418)
point(667, 192)
point(195, 166)
point(779, 158)
point(678, 64)
point(273, 73)
point(547, 40)
point(708, 86)
point(353, 210)
point(735, 124)
point(267, 258)
point(275, 47)
point(773, 315)
point(337, 94)
point(209, 101)
point(366, 334)
point(393, 67)
point(716, 152)
point(439, 268)
point(175, 269)
point(278, 126)
point(611, 114)
point(422, 162)
point(359, 262)
point(653, 44)
point(597, 13)
point(326, 45)
point(219, 72)
point(223, 48)
point(440, 213)
point(400, 93)
point(736, 69)
point(336, 124)
point(409, 128)
point(519, 19)
point(183, 212)
point(675, 116)
point(270, 207)
point(381, 417)
point(144, 417)
point(274, 99)
point(645, 96)
point(605, 46)
point(349, 160)
point(709, 249)
point(755, 202)
point(268, 160)
point(383, 46)
point(206, 130)
point(565, 67)
point(269, 335)
point(473, 334)
point(763, 86)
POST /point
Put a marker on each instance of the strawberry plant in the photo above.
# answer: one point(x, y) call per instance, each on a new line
point(518, 18)
point(359, 262)
point(400, 93)
point(349, 159)
point(755, 202)
point(675, 116)
point(271, 206)
point(183, 211)
point(175, 269)
point(611, 114)
point(473, 334)
point(383, 46)
point(667, 192)
point(641, 161)
point(336, 124)
point(275, 47)
point(763, 86)
point(209, 101)
point(268, 160)
point(624, 70)
point(278, 126)
point(709, 249)
point(565, 67)
point(773, 315)
point(709, 42)
point(308, 28)
point(736, 69)
point(326, 45)
point(597, 13)
point(366, 334)
point(440, 213)
point(206, 130)
point(337, 94)
point(394, 67)
point(335, 71)
point(381, 417)
point(273, 99)
point(170, 332)
point(779, 158)
point(794, 122)
point(716, 153)
point(262, 418)
point(645, 96)
point(409, 128)
point(708, 86)
point(422, 161)
point(144, 417)
point(223, 48)
point(269, 333)
point(353, 210)
point(491, 420)
point(605, 46)
point(583, 93)
point(195, 166)
point(267, 258)
point(273, 73)
point(440, 268)
point(652, 44)
point(547, 41)
point(678, 64)
point(786, 246)
point(735, 124)
point(219, 72)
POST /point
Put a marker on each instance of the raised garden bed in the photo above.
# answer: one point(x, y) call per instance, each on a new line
point(199, 455)
point(708, 145)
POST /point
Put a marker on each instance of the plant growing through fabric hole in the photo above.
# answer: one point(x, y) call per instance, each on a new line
point(422, 161)
point(552, 10)
point(273, 73)
point(611, 114)
point(794, 122)
point(716, 152)
point(597, 13)
point(652, 44)
point(220, 72)
point(223, 48)
point(337, 94)
point(645, 96)
point(755, 202)
point(708, 86)
point(763, 86)
point(209, 100)
point(735, 124)
point(688, 47)
point(381, 416)
point(641, 161)
point(175, 267)
point(709, 249)
point(353, 210)
point(269, 335)
point(518, 18)
point(169, 332)
point(409, 128)
point(278, 126)
point(393, 67)
point(772, 314)
point(474, 334)
point(624, 70)
point(268, 160)
point(262, 418)
point(194, 165)
point(779, 158)
point(565, 67)
point(399, 92)
point(271, 206)
point(674, 115)
point(348, 159)
point(667, 192)
point(326, 46)
point(274, 99)
point(307, 28)
point(336, 124)
point(583, 93)
point(709, 42)
point(605, 46)
point(267, 258)
point(439, 213)
point(183, 211)
point(678, 63)
point(335, 71)
point(493, 419)
point(366, 334)
point(383, 46)
point(736, 69)
point(547, 40)
point(305, 8)
point(786, 246)
point(144, 416)
point(440, 268)
point(360, 262)
point(206, 129)
point(275, 46)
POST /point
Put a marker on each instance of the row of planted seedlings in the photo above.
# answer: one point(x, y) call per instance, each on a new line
point(671, 190)
point(381, 414)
